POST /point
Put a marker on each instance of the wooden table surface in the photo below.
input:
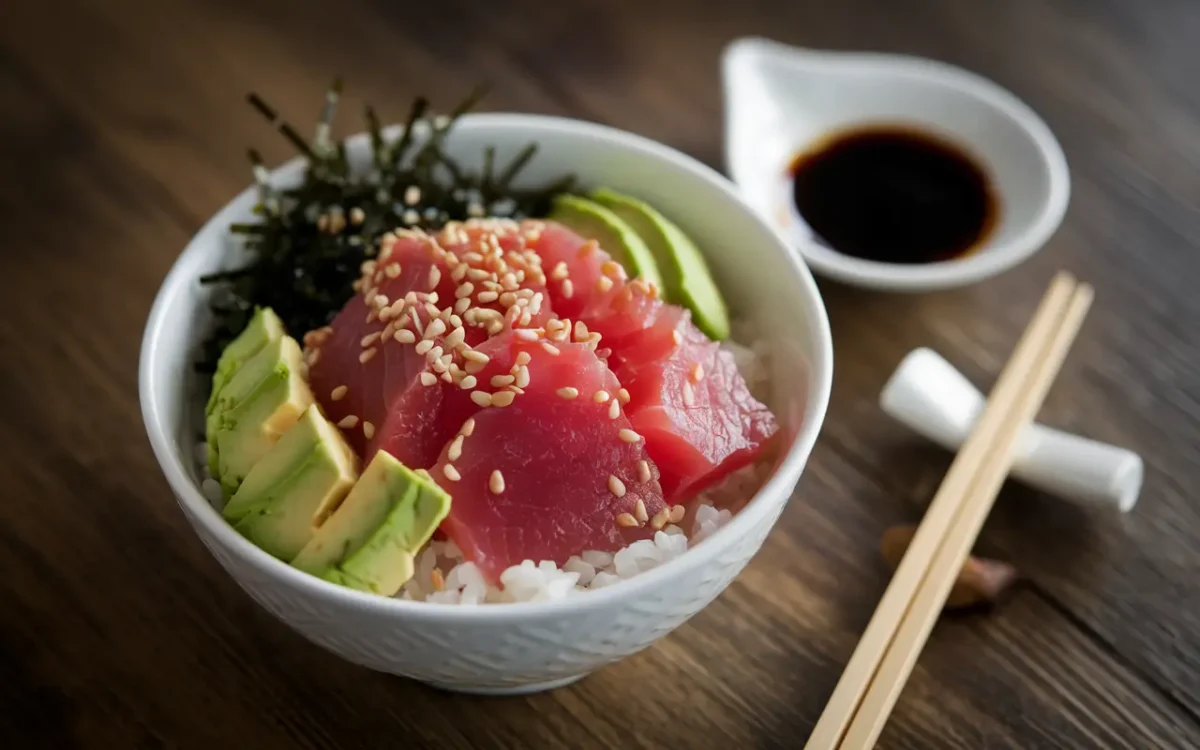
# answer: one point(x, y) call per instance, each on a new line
point(124, 127)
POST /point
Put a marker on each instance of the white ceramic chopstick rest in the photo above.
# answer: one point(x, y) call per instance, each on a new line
point(933, 399)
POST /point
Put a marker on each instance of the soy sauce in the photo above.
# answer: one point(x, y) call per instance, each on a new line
point(894, 195)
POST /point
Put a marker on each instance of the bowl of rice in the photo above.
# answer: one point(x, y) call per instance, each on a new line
point(544, 625)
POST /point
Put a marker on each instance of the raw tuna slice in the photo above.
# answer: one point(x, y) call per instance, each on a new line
point(475, 276)
point(555, 472)
point(574, 269)
point(693, 407)
point(423, 419)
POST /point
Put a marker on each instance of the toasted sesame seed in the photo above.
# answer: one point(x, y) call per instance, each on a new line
point(435, 328)
point(660, 519)
point(366, 355)
point(499, 381)
point(677, 513)
point(629, 436)
point(626, 520)
point(601, 397)
point(468, 427)
point(368, 430)
point(522, 378)
point(616, 486)
point(455, 338)
point(451, 473)
point(486, 297)
point(696, 373)
point(454, 452)
point(496, 482)
point(348, 422)
point(644, 471)
point(428, 378)
point(502, 398)
point(639, 511)
point(472, 355)
point(424, 346)
point(526, 334)
point(468, 383)
point(677, 337)
point(405, 336)
point(481, 399)
point(339, 393)
point(568, 393)
point(551, 349)
point(689, 395)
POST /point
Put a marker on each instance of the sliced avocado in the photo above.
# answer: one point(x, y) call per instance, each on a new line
point(370, 541)
point(686, 275)
point(263, 328)
point(616, 237)
point(295, 486)
point(247, 426)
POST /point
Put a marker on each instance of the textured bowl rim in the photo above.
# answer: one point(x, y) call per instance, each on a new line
point(776, 491)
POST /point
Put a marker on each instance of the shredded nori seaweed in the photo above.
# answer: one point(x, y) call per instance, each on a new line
point(309, 242)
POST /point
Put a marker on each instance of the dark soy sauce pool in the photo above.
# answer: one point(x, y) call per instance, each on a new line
point(894, 195)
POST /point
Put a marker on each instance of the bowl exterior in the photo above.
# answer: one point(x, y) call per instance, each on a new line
point(521, 647)
point(479, 655)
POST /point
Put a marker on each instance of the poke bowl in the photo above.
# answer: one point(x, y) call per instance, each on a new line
point(463, 606)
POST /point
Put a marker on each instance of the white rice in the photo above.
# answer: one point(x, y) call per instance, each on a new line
point(463, 582)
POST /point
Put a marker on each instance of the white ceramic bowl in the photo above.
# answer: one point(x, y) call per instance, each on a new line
point(528, 646)
point(779, 100)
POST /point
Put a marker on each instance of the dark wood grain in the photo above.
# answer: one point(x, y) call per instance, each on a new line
point(123, 129)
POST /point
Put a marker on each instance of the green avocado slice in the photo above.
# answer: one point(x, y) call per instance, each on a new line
point(595, 222)
point(371, 540)
point(294, 487)
point(264, 327)
point(261, 402)
point(684, 271)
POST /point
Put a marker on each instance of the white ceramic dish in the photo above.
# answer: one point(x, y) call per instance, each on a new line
point(779, 100)
point(527, 646)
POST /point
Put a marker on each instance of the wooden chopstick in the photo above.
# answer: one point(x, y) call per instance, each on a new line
point(860, 671)
point(923, 612)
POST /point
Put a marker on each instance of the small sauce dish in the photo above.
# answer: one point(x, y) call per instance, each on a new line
point(784, 104)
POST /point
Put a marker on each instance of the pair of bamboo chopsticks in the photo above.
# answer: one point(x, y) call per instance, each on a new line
point(884, 658)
